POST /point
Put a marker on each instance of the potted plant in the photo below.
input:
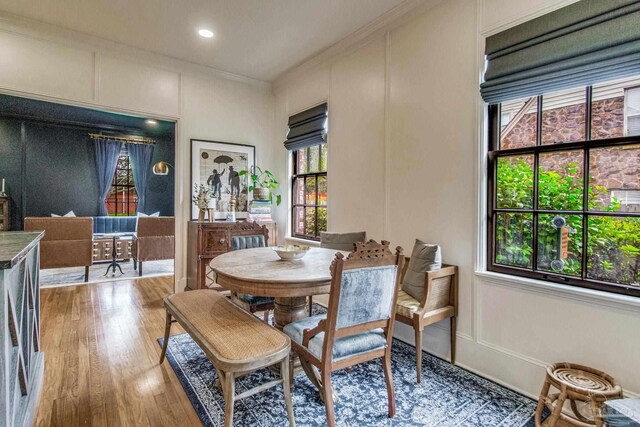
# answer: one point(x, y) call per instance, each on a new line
point(263, 184)
point(202, 197)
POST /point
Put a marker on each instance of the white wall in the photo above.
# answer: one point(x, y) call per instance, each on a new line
point(406, 154)
point(46, 63)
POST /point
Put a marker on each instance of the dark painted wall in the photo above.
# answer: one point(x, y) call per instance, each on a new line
point(50, 168)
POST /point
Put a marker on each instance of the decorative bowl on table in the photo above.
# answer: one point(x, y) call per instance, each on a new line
point(291, 252)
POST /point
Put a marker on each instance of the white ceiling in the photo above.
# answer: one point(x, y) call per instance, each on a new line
point(255, 38)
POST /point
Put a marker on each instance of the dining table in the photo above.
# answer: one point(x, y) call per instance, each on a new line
point(261, 272)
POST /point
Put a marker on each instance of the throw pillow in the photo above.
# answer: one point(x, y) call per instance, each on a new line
point(140, 214)
point(424, 257)
point(341, 241)
point(69, 214)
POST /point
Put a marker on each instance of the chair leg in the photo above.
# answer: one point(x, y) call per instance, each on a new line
point(557, 409)
point(165, 343)
point(596, 408)
point(418, 333)
point(452, 323)
point(86, 273)
point(265, 316)
point(328, 398)
point(135, 264)
point(312, 375)
point(541, 400)
point(229, 394)
point(285, 374)
point(388, 378)
point(310, 306)
point(140, 269)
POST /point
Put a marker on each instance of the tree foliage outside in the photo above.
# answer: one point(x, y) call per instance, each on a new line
point(613, 243)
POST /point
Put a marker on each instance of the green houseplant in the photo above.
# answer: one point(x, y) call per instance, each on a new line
point(263, 184)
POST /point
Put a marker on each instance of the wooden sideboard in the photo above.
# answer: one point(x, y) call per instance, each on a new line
point(21, 359)
point(207, 240)
point(4, 213)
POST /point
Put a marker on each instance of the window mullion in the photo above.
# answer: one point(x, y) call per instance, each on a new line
point(536, 173)
point(585, 184)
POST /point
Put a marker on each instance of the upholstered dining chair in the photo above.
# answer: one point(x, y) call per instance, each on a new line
point(358, 325)
point(440, 301)
point(339, 242)
point(247, 235)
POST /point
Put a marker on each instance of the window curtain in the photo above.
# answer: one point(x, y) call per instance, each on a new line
point(307, 128)
point(587, 42)
point(140, 156)
point(107, 153)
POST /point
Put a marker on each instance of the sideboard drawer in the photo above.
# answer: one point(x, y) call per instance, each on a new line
point(215, 241)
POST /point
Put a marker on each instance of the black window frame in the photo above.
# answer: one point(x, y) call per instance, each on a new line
point(115, 186)
point(494, 153)
point(294, 176)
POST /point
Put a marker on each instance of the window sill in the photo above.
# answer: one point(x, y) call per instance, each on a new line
point(298, 241)
point(565, 291)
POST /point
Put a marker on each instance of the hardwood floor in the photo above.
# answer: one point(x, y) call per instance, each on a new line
point(101, 357)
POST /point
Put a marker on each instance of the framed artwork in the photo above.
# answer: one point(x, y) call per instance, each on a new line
point(216, 165)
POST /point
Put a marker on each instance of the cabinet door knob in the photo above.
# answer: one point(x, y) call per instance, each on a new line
point(222, 241)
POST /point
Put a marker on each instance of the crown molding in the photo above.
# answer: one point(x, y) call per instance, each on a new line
point(39, 30)
point(389, 20)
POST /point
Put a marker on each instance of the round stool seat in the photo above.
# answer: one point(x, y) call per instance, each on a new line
point(576, 384)
point(582, 379)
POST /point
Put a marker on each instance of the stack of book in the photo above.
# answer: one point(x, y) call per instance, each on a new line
point(259, 211)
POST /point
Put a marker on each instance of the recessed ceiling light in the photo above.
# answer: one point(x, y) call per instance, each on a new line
point(151, 122)
point(205, 33)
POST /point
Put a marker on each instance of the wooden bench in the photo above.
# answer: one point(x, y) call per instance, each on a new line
point(235, 342)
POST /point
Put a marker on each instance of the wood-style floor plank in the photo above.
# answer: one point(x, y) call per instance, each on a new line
point(101, 357)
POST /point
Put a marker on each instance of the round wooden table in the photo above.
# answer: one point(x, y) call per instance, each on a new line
point(261, 272)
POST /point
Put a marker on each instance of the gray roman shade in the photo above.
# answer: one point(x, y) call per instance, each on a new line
point(307, 128)
point(581, 44)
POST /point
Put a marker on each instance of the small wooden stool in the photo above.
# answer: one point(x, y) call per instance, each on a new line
point(576, 383)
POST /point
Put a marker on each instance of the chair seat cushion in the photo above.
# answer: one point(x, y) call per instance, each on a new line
point(255, 299)
point(406, 305)
point(343, 347)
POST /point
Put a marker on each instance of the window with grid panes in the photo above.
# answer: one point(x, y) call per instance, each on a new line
point(563, 168)
point(309, 198)
point(122, 200)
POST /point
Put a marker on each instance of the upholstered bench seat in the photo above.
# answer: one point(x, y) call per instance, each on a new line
point(124, 225)
point(342, 347)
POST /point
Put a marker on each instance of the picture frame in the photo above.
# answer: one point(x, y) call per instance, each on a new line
point(216, 164)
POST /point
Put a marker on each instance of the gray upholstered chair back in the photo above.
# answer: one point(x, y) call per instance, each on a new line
point(247, 242)
point(341, 241)
point(366, 295)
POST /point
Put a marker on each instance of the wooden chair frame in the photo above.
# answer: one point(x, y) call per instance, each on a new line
point(245, 228)
point(423, 317)
point(370, 254)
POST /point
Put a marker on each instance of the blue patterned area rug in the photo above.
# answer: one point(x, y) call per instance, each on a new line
point(447, 396)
